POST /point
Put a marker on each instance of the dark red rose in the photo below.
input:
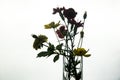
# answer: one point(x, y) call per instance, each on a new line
point(69, 13)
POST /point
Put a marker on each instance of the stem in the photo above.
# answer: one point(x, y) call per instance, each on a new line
point(45, 45)
point(81, 42)
point(75, 72)
point(56, 36)
point(82, 56)
point(81, 67)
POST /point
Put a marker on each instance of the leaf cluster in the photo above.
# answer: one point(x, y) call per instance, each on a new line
point(52, 50)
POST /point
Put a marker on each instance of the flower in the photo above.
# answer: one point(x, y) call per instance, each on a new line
point(57, 10)
point(87, 55)
point(69, 13)
point(52, 25)
point(61, 32)
point(74, 22)
point(79, 24)
point(81, 52)
point(39, 40)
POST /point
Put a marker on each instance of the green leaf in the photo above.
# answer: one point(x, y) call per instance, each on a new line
point(43, 54)
point(51, 47)
point(59, 47)
point(85, 15)
point(56, 58)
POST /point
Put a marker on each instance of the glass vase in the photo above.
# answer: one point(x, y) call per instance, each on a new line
point(72, 68)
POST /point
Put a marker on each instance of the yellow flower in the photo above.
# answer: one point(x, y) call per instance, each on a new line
point(43, 38)
point(39, 40)
point(52, 25)
point(81, 52)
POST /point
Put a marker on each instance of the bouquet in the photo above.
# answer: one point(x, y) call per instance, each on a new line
point(67, 30)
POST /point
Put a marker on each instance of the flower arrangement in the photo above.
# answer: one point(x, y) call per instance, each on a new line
point(66, 35)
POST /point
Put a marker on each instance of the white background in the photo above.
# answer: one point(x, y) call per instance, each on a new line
point(21, 18)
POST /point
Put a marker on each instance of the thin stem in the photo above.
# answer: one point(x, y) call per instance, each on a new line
point(56, 36)
point(81, 42)
point(81, 67)
point(45, 45)
point(83, 24)
point(82, 56)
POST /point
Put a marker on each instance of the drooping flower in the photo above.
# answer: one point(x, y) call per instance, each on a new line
point(79, 24)
point(61, 32)
point(39, 40)
point(74, 22)
point(69, 13)
point(81, 52)
point(52, 25)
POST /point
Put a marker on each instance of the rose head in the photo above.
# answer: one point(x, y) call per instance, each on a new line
point(69, 13)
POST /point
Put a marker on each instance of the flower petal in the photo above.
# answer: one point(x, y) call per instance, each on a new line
point(87, 55)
